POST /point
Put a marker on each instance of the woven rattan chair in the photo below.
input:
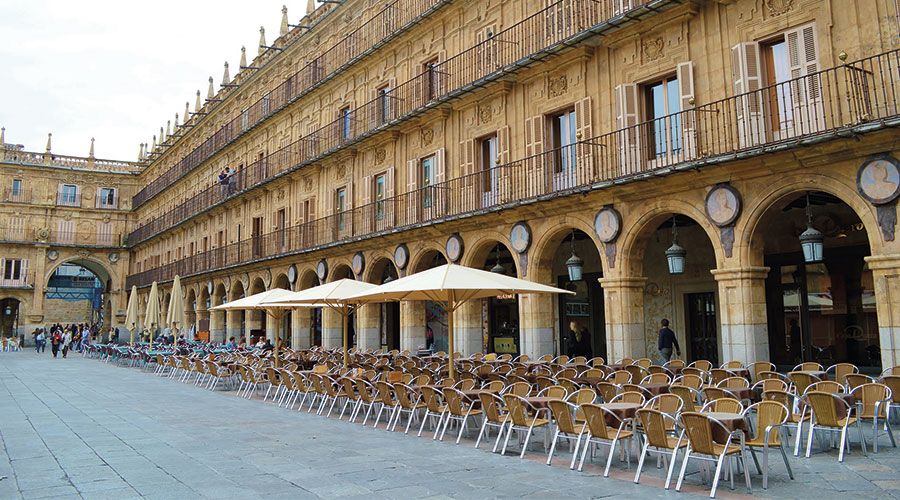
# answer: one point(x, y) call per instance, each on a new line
point(691, 380)
point(523, 417)
point(770, 417)
point(434, 407)
point(797, 416)
point(826, 386)
point(597, 361)
point(893, 382)
point(839, 371)
point(387, 401)
point(518, 388)
point(554, 391)
point(619, 377)
point(801, 381)
point(408, 402)
point(809, 366)
point(351, 397)
point(826, 416)
point(607, 390)
point(657, 427)
point(854, 380)
point(657, 378)
point(759, 367)
point(724, 405)
point(874, 404)
point(567, 427)
point(630, 397)
point(643, 362)
point(701, 364)
point(599, 432)
point(674, 365)
point(689, 396)
point(459, 409)
point(732, 365)
point(637, 372)
point(492, 407)
point(698, 428)
point(770, 384)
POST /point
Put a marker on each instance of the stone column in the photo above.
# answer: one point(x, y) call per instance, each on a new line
point(217, 326)
point(537, 317)
point(332, 328)
point(467, 328)
point(273, 327)
point(233, 326)
point(624, 310)
point(368, 333)
point(886, 274)
point(412, 325)
point(300, 328)
point(742, 313)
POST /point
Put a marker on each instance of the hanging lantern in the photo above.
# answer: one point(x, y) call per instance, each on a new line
point(675, 253)
point(574, 264)
point(8, 310)
point(498, 268)
point(811, 241)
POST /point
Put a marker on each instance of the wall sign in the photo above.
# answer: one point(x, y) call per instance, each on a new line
point(608, 224)
point(454, 247)
point(520, 237)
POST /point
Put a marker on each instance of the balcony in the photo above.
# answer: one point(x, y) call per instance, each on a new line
point(24, 280)
point(857, 97)
point(519, 45)
point(80, 162)
point(394, 19)
point(17, 196)
point(68, 199)
point(86, 239)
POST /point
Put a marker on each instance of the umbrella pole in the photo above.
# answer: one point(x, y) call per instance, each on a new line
point(346, 314)
point(450, 308)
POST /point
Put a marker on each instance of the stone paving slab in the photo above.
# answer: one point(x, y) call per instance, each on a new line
point(80, 428)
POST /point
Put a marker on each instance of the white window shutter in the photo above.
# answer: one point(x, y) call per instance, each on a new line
point(439, 191)
point(412, 196)
point(440, 174)
point(687, 99)
point(98, 202)
point(534, 163)
point(584, 131)
point(629, 140)
point(115, 203)
point(747, 76)
point(367, 211)
point(389, 183)
point(366, 190)
point(389, 201)
point(808, 109)
point(469, 178)
point(24, 273)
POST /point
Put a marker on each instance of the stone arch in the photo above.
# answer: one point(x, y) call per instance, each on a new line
point(307, 279)
point(237, 290)
point(340, 271)
point(96, 266)
point(425, 259)
point(547, 241)
point(257, 286)
point(376, 269)
point(641, 225)
point(281, 281)
point(482, 248)
point(778, 196)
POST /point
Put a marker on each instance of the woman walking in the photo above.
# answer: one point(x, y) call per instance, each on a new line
point(67, 343)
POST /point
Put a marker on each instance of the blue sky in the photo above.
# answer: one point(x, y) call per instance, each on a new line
point(118, 70)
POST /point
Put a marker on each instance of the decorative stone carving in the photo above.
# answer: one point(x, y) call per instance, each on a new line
point(778, 7)
point(485, 114)
point(42, 234)
point(427, 136)
point(307, 184)
point(558, 85)
point(280, 194)
point(380, 155)
point(652, 48)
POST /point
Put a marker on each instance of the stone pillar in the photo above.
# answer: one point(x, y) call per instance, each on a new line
point(886, 275)
point(537, 317)
point(467, 328)
point(332, 328)
point(301, 334)
point(217, 326)
point(742, 313)
point(623, 299)
point(233, 326)
point(368, 332)
point(412, 325)
point(273, 327)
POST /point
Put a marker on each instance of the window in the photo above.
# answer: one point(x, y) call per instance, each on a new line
point(280, 226)
point(432, 80)
point(427, 176)
point(265, 105)
point(382, 105)
point(777, 69)
point(12, 269)
point(105, 233)
point(245, 119)
point(340, 205)
point(661, 99)
point(488, 162)
point(106, 198)
point(379, 196)
point(562, 129)
point(17, 188)
point(65, 231)
point(345, 123)
point(68, 195)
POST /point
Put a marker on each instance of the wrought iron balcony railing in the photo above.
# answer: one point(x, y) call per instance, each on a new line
point(394, 19)
point(23, 280)
point(860, 96)
point(519, 45)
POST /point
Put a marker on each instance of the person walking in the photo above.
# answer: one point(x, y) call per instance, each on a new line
point(39, 340)
point(66, 343)
point(55, 342)
point(667, 341)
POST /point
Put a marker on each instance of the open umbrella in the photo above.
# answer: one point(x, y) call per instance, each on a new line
point(260, 302)
point(454, 285)
point(152, 315)
point(332, 295)
point(131, 314)
point(175, 316)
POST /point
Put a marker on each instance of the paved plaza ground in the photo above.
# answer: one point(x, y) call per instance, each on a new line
point(80, 428)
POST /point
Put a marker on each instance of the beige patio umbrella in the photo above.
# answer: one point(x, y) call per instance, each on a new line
point(175, 317)
point(131, 314)
point(260, 302)
point(334, 296)
point(152, 315)
point(454, 285)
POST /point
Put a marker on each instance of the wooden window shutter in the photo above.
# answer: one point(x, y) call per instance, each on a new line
point(97, 200)
point(534, 164)
point(412, 196)
point(806, 93)
point(441, 196)
point(503, 160)
point(684, 72)
point(440, 173)
point(467, 165)
point(747, 76)
point(367, 211)
point(59, 191)
point(584, 131)
point(390, 202)
point(366, 190)
point(629, 143)
point(23, 275)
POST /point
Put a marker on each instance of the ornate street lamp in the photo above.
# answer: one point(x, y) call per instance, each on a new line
point(675, 253)
point(498, 268)
point(811, 241)
point(574, 264)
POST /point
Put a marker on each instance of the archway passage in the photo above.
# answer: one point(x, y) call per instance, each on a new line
point(9, 317)
point(822, 311)
point(499, 315)
point(309, 319)
point(285, 329)
point(431, 316)
point(76, 293)
point(582, 324)
point(388, 313)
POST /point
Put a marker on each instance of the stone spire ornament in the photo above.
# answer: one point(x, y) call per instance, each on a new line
point(243, 57)
point(49, 137)
point(91, 152)
point(176, 121)
point(226, 78)
point(162, 136)
point(310, 6)
point(284, 21)
point(187, 111)
point(197, 102)
point(141, 152)
point(210, 93)
point(168, 128)
point(2, 136)
point(154, 144)
point(262, 39)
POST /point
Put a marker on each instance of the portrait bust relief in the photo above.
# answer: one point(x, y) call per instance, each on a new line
point(607, 224)
point(723, 205)
point(878, 179)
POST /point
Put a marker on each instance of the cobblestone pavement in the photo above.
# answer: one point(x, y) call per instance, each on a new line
point(80, 428)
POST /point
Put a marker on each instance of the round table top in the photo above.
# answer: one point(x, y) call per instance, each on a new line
point(723, 415)
point(620, 406)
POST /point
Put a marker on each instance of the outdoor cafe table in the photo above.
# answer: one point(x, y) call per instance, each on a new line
point(738, 372)
point(815, 373)
point(623, 411)
point(731, 421)
point(656, 389)
point(540, 402)
point(742, 393)
point(587, 381)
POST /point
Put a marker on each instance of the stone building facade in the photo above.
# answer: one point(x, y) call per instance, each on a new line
point(380, 139)
point(58, 209)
